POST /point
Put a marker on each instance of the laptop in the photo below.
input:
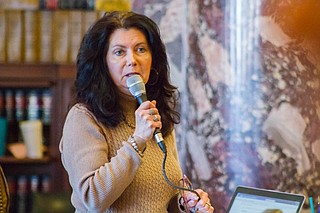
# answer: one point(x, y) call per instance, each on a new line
point(254, 200)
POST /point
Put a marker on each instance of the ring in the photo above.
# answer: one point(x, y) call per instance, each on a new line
point(155, 118)
point(151, 112)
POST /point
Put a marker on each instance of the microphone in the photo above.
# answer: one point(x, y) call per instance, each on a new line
point(138, 90)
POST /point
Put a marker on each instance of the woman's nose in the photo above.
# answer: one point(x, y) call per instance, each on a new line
point(131, 60)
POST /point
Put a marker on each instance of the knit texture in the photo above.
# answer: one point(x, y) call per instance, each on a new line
point(107, 174)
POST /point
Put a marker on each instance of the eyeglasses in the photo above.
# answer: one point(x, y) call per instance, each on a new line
point(186, 184)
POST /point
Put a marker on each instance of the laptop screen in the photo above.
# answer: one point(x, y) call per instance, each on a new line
point(254, 200)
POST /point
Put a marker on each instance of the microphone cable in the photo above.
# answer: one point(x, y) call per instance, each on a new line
point(137, 88)
point(172, 184)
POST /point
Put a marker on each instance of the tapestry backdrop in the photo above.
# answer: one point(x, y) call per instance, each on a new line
point(249, 77)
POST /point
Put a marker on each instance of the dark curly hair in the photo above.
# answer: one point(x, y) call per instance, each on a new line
point(94, 86)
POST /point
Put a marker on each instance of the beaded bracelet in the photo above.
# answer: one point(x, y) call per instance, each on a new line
point(135, 146)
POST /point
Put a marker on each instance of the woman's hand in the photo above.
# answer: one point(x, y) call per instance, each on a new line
point(197, 205)
point(147, 120)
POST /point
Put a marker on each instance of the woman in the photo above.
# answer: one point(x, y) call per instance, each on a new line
point(107, 147)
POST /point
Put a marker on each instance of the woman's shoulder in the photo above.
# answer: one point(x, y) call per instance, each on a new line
point(80, 110)
point(80, 116)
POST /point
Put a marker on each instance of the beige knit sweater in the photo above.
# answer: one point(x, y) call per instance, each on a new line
point(106, 173)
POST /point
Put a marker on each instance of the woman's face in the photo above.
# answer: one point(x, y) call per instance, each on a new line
point(128, 54)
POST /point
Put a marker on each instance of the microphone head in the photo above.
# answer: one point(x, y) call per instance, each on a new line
point(136, 85)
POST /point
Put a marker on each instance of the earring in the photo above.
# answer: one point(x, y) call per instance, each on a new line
point(155, 77)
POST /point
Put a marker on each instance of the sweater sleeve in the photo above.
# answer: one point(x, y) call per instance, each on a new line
point(95, 180)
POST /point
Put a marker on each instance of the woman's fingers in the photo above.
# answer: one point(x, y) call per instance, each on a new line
point(147, 120)
point(203, 205)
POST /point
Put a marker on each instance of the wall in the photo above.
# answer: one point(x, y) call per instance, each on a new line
point(249, 77)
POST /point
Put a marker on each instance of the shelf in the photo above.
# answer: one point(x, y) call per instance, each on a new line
point(59, 79)
point(13, 160)
point(26, 166)
point(34, 75)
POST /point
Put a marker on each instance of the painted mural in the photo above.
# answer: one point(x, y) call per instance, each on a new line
point(249, 77)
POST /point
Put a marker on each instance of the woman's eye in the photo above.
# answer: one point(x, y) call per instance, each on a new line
point(119, 52)
point(141, 50)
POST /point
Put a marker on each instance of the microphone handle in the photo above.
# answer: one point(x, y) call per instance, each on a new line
point(157, 133)
point(141, 98)
point(158, 136)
